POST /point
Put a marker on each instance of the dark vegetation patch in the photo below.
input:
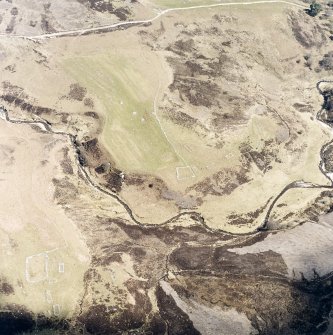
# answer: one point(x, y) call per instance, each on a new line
point(99, 321)
point(275, 306)
point(9, 87)
point(11, 68)
point(303, 108)
point(180, 118)
point(14, 11)
point(181, 47)
point(77, 92)
point(222, 119)
point(169, 236)
point(92, 114)
point(196, 69)
point(115, 257)
point(33, 23)
point(322, 204)
point(107, 6)
point(327, 156)
point(91, 154)
point(11, 25)
point(188, 73)
point(144, 181)
point(63, 117)
point(308, 62)
point(254, 284)
point(122, 13)
point(262, 158)
point(7, 155)
point(222, 261)
point(102, 317)
point(15, 319)
point(306, 31)
point(178, 322)
point(326, 114)
point(114, 180)
point(195, 78)
point(220, 66)
point(92, 149)
point(247, 218)
point(312, 317)
point(66, 163)
point(326, 63)
point(197, 92)
point(138, 252)
point(222, 182)
point(5, 287)
point(88, 102)
point(42, 59)
point(46, 25)
point(134, 179)
point(65, 191)
point(26, 106)
point(103, 168)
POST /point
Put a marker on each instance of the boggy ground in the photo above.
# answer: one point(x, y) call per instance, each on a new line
point(177, 279)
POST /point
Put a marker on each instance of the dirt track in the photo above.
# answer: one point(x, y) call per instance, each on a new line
point(194, 215)
point(129, 24)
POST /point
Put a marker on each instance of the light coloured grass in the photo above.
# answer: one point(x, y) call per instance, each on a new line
point(183, 3)
point(193, 3)
point(131, 133)
point(37, 231)
point(121, 67)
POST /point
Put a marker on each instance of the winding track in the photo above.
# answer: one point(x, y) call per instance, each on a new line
point(194, 215)
point(128, 24)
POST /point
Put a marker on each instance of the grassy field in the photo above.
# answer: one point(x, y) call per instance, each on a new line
point(131, 133)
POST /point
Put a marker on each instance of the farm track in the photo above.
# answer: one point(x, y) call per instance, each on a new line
point(196, 216)
point(129, 24)
point(193, 214)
